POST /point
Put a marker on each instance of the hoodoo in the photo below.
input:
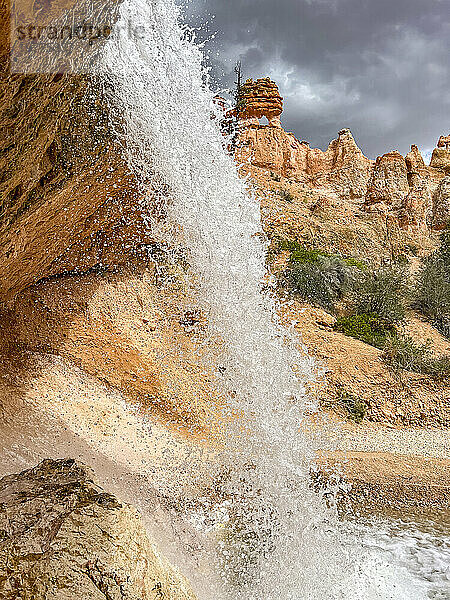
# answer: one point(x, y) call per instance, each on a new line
point(444, 142)
point(402, 187)
point(258, 99)
point(441, 155)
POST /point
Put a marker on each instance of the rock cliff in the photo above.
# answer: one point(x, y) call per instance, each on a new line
point(68, 201)
point(64, 537)
point(402, 187)
point(441, 159)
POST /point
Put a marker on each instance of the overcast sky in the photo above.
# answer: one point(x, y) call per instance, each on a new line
point(379, 67)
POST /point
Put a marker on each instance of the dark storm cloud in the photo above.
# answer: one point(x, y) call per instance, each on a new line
point(380, 67)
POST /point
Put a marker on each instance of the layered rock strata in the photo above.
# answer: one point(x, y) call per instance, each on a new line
point(258, 99)
point(401, 187)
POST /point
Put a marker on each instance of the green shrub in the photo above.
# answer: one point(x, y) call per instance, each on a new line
point(444, 248)
point(432, 292)
point(354, 262)
point(301, 256)
point(382, 293)
point(325, 279)
point(318, 276)
point(321, 283)
point(402, 353)
point(355, 406)
point(368, 328)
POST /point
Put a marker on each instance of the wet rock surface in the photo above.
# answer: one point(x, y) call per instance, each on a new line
point(62, 537)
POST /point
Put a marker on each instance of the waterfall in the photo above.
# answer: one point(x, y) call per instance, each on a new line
point(283, 544)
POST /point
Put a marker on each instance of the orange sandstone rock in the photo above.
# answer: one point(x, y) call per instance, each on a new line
point(444, 142)
point(260, 98)
point(441, 155)
point(441, 205)
point(388, 186)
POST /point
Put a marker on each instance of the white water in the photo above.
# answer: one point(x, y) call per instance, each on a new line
point(285, 546)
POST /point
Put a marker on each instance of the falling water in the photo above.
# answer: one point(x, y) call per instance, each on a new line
point(279, 542)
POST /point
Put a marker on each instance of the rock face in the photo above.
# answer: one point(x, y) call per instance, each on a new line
point(401, 187)
point(68, 201)
point(258, 99)
point(416, 211)
point(441, 205)
point(350, 169)
point(65, 190)
point(441, 155)
point(441, 160)
point(388, 186)
point(63, 538)
point(343, 166)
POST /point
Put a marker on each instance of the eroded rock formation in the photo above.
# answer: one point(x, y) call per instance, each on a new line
point(401, 187)
point(388, 185)
point(444, 142)
point(64, 537)
point(441, 205)
point(258, 99)
point(441, 155)
point(342, 166)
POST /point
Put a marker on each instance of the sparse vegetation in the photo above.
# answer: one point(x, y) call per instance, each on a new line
point(323, 282)
point(359, 264)
point(376, 302)
point(354, 405)
point(317, 276)
point(432, 292)
point(382, 294)
point(325, 279)
point(401, 353)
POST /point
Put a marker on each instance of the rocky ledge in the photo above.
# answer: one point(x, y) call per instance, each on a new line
point(62, 538)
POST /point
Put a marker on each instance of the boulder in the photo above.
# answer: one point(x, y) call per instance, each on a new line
point(64, 538)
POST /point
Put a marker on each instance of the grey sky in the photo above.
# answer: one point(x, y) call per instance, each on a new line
point(380, 67)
